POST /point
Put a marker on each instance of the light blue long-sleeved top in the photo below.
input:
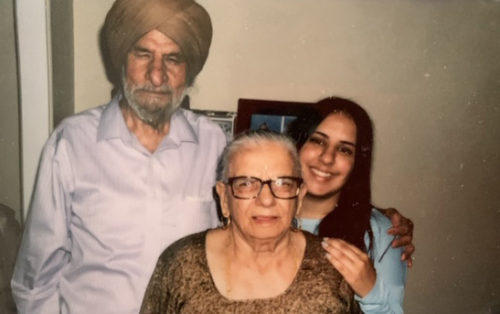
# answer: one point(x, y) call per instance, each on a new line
point(386, 297)
point(104, 208)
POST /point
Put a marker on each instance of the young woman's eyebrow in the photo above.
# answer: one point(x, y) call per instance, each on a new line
point(320, 133)
point(327, 137)
point(348, 143)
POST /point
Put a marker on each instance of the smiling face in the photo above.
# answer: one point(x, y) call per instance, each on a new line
point(264, 217)
point(327, 157)
point(155, 77)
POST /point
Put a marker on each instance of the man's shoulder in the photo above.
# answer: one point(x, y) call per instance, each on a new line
point(75, 127)
point(84, 119)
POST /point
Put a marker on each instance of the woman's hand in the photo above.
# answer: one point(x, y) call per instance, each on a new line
point(352, 263)
point(403, 228)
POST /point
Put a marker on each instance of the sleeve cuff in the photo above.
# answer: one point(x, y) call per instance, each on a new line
point(376, 301)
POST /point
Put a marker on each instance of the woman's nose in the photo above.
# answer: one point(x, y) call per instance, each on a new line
point(328, 156)
point(266, 197)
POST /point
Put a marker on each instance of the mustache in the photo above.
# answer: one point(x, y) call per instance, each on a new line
point(147, 87)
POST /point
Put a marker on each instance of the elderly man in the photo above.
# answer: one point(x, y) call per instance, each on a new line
point(118, 183)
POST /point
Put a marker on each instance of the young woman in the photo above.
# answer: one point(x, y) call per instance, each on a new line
point(335, 148)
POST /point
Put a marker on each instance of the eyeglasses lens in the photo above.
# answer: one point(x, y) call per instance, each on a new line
point(250, 187)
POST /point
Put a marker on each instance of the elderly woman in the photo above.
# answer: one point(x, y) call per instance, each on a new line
point(257, 262)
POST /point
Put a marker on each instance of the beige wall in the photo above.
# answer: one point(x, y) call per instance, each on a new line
point(91, 85)
point(62, 61)
point(428, 73)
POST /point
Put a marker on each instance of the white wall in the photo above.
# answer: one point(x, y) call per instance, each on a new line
point(33, 40)
point(428, 73)
point(10, 166)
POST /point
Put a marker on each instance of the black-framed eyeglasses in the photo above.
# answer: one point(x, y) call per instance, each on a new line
point(250, 187)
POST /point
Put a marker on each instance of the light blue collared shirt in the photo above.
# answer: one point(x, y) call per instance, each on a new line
point(386, 297)
point(104, 208)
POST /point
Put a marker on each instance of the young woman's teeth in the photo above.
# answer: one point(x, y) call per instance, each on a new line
point(321, 173)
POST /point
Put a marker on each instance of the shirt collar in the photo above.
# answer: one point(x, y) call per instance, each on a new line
point(112, 125)
point(180, 130)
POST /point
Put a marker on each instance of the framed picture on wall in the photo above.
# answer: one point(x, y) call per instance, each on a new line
point(225, 119)
point(276, 123)
point(267, 114)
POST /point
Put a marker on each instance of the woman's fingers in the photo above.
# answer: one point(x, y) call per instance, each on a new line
point(352, 263)
point(401, 241)
point(344, 246)
point(401, 225)
point(407, 255)
point(348, 254)
point(344, 257)
point(403, 228)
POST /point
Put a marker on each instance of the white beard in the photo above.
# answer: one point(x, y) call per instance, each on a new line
point(151, 111)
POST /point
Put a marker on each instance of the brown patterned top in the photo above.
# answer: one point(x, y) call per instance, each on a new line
point(181, 283)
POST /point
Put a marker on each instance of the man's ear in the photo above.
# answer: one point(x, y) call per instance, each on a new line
point(220, 187)
point(302, 194)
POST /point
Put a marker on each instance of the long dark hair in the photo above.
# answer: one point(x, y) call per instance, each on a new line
point(351, 219)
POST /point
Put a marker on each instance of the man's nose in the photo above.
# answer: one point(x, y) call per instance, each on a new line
point(157, 72)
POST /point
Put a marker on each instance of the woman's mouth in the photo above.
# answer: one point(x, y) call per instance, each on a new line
point(264, 219)
point(320, 173)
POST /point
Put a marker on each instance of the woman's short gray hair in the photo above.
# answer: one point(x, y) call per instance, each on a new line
point(251, 138)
